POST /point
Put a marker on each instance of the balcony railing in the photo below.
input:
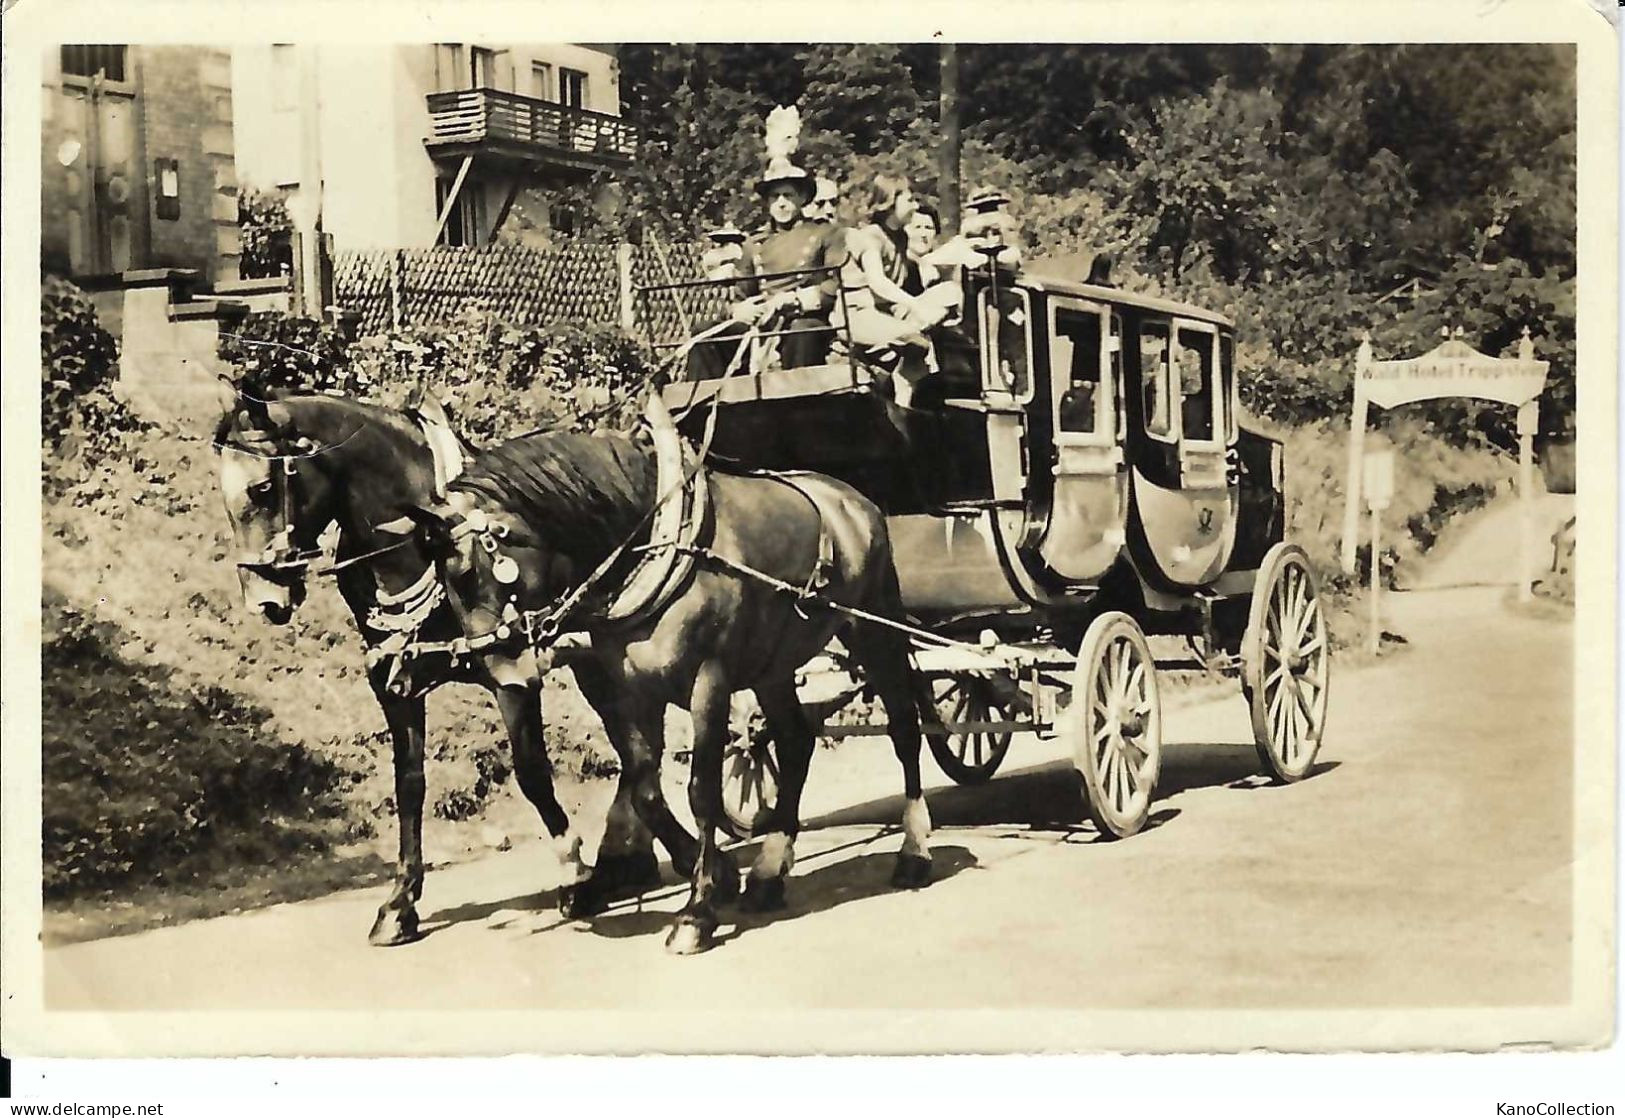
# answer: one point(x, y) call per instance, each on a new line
point(527, 126)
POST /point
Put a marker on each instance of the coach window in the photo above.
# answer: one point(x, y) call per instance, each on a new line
point(1076, 355)
point(1195, 364)
point(1010, 360)
point(1156, 392)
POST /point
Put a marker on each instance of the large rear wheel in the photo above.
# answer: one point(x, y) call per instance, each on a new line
point(1117, 719)
point(1286, 664)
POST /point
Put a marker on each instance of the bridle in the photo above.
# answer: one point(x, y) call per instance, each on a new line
point(279, 554)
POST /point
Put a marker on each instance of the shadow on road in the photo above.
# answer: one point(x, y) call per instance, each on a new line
point(829, 886)
point(1040, 801)
point(545, 900)
point(1216, 764)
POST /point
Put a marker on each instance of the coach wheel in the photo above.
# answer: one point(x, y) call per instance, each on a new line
point(750, 770)
point(1117, 722)
point(1286, 660)
point(973, 753)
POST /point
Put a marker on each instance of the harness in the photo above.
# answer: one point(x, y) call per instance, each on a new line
point(680, 514)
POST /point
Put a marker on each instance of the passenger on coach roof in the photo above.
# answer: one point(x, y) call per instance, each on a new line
point(796, 305)
point(721, 261)
point(875, 306)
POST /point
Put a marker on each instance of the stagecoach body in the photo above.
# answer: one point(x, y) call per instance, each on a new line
point(1072, 479)
point(1089, 442)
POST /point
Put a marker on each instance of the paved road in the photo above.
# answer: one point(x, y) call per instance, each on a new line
point(1425, 863)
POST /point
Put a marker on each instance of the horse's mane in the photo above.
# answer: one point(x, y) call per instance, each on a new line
point(584, 492)
point(318, 404)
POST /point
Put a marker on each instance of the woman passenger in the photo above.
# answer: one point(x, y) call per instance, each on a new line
point(875, 305)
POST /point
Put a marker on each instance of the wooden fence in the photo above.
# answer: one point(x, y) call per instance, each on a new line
point(589, 283)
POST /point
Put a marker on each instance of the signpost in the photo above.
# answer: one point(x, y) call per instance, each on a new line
point(1377, 477)
point(1454, 368)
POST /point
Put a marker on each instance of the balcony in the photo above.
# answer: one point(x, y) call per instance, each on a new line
point(527, 130)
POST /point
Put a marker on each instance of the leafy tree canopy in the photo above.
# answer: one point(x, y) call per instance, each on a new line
point(1318, 192)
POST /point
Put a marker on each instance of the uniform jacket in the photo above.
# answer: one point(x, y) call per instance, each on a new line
point(803, 245)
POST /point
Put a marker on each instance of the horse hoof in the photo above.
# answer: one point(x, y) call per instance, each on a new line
point(690, 936)
point(763, 894)
point(394, 928)
point(581, 901)
point(632, 873)
point(912, 872)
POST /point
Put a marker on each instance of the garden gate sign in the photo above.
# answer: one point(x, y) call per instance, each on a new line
point(1454, 368)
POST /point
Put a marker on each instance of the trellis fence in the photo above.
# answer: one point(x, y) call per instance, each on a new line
point(590, 283)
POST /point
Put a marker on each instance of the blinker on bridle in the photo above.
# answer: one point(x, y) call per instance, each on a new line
point(279, 553)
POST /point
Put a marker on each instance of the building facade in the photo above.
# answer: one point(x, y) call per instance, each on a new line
point(137, 170)
point(417, 145)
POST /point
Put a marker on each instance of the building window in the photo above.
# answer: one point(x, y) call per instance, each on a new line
point(88, 61)
point(449, 67)
point(284, 76)
point(572, 88)
point(167, 203)
point(541, 81)
point(466, 219)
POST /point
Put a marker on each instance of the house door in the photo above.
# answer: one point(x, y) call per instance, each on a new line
point(102, 187)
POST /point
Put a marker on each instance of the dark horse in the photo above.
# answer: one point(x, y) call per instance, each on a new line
point(291, 467)
point(531, 518)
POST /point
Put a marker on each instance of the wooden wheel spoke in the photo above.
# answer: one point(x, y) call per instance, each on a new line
point(1136, 680)
point(1137, 757)
point(1276, 709)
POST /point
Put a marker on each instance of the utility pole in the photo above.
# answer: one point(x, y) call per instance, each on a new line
point(307, 208)
point(948, 151)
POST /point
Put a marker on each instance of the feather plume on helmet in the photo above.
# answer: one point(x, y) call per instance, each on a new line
point(781, 137)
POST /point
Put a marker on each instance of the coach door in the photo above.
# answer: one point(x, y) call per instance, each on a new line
point(1184, 494)
point(1089, 501)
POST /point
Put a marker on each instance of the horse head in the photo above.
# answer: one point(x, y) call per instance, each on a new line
point(278, 498)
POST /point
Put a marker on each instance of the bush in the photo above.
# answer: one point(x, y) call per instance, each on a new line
point(267, 235)
point(81, 421)
point(501, 380)
point(276, 352)
point(498, 380)
point(141, 776)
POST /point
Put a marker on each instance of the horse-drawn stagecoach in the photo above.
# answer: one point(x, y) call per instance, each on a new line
point(1072, 479)
point(985, 541)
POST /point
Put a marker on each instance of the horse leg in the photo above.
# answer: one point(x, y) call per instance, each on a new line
point(397, 921)
point(521, 709)
point(642, 741)
point(626, 857)
point(716, 876)
point(792, 730)
point(883, 655)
